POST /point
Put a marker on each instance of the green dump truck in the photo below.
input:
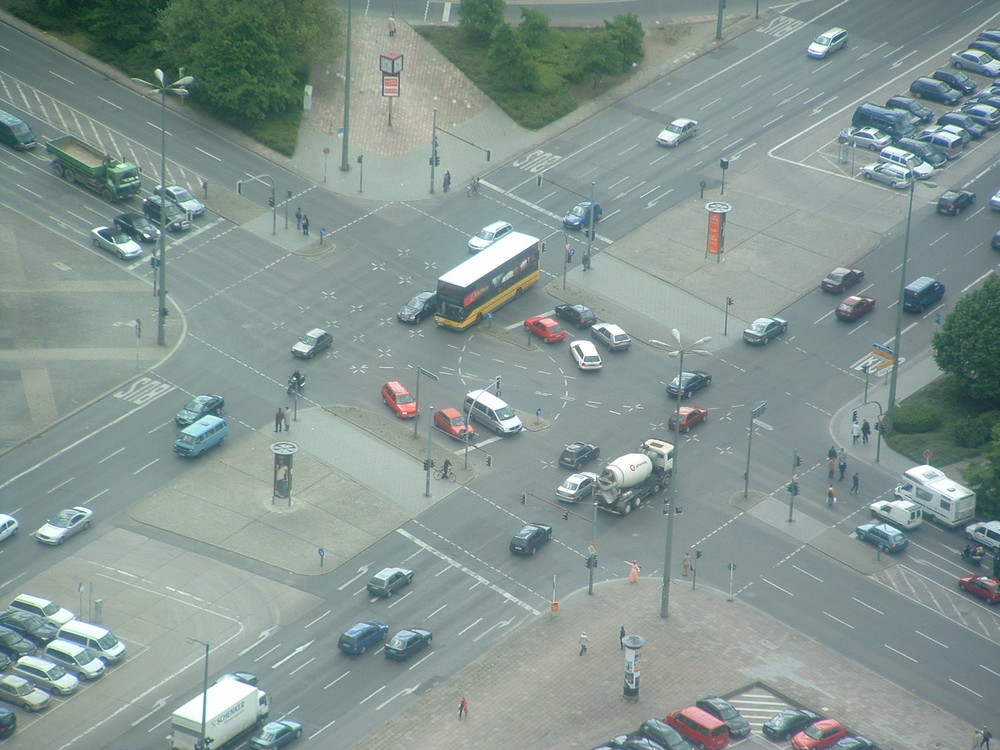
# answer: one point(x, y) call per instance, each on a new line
point(76, 161)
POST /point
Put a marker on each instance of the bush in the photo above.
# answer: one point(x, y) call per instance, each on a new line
point(973, 433)
point(916, 418)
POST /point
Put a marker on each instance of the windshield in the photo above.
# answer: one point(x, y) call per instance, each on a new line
point(107, 642)
point(61, 521)
point(578, 211)
point(505, 413)
point(181, 194)
point(193, 406)
point(674, 128)
point(404, 398)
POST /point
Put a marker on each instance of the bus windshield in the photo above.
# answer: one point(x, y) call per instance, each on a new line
point(487, 280)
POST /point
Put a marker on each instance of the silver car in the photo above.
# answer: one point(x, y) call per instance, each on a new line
point(871, 138)
point(976, 61)
point(827, 42)
point(65, 524)
point(183, 198)
point(115, 241)
point(577, 487)
point(889, 174)
point(677, 132)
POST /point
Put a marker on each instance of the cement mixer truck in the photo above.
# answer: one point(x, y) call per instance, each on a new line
point(628, 480)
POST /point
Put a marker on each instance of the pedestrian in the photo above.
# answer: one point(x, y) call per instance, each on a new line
point(584, 640)
point(866, 430)
point(446, 183)
point(855, 482)
point(986, 736)
point(832, 453)
point(855, 433)
point(463, 708)
point(392, 33)
point(832, 465)
point(633, 573)
point(831, 496)
point(686, 562)
point(305, 225)
point(288, 419)
point(586, 260)
point(298, 219)
point(842, 463)
point(279, 417)
point(621, 638)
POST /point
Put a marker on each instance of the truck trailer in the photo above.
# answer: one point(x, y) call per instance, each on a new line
point(233, 709)
point(626, 482)
point(77, 161)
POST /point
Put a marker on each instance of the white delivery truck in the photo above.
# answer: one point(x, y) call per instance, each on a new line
point(900, 513)
point(232, 710)
point(942, 500)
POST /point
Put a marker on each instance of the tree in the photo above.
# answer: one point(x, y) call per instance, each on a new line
point(509, 60)
point(478, 19)
point(983, 476)
point(627, 33)
point(534, 27)
point(127, 23)
point(600, 56)
point(968, 344)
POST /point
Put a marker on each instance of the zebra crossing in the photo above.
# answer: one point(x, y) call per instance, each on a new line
point(781, 26)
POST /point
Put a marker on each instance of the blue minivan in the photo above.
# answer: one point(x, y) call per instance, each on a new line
point(198, 437)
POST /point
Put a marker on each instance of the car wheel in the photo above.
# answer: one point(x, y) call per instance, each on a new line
point(764, 342)
point(866, 175)
point(959, 66)
point(364, 649)
point(873, 147)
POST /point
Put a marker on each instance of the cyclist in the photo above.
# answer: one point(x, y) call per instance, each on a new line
point(474, 185)
point(445, 469)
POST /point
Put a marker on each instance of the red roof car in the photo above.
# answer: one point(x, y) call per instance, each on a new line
point(400, 400)
point(547, 329)
point(853, 308)
point(690, 416)
point(453, 422)
point(818, 736)
point(982, 586)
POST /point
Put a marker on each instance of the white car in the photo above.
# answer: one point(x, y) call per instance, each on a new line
point(183, 198)
point(65, 524)
point(976, 61)
point(8, 526)
point(488, 235)
point(115, 241)
point(612, 336)
point(577, 487)
point(677, 132)
point(827, 42)
point(995, 201)
point(871, 138)
point(585, 354)
point(889, 174)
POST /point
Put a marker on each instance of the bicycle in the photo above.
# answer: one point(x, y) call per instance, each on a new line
point(441, 474)
point(473, 188)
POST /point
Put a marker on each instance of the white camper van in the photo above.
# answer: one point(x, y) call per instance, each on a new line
point(943, 500)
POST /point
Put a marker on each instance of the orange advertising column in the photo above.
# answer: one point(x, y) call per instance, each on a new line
point(716, 242)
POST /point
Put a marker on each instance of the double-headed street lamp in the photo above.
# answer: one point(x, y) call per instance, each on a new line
point(676, 350)
point(163, 88)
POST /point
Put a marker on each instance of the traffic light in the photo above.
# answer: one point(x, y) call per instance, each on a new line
point(437, 160)
point(798, 459)
point(697, 554)
point(428, 464)
point(361, 159)
point(591, 561)
point(854, 416)
point(565, 515)
point(795, 489)
point(270, 201)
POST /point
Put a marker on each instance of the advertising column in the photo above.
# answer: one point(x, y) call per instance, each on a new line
point(633, 656)
point(716, 244)
point(281, 492)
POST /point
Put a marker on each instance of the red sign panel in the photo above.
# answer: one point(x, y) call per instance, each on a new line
point(390, 85)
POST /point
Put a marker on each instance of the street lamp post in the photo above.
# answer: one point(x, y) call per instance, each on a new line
point(416, 396)
point(890, 408)
point(678, 350)
point(204, 695)
point(163, 88)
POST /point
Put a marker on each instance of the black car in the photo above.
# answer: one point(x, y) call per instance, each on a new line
point(418, 308)
point(936, 91)
point(407, 642)
point(32, 627)
point(530, 538)
point(962, 120)
point(576, 455)
point(13, 645)
point(990, 47)
point(915, 108)
point(956, 79)
point(663, 734)
point(138, 227)
point(854, 743)
point(723, 710)
point(579, 315)
point(174, 216)
point(693, 381)
point(200, 406)
point(954, 201)
point(995, 242)
point(785, 723)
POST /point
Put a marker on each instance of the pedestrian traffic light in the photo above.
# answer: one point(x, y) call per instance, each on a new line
point(361, 159)
point(591, 561)
point(697, 554)
point(437, 160)
point(789, 487)
point(854, 416)
point(795, 489)
point(798, 459)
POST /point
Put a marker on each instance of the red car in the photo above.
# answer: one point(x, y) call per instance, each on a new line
point(853, 308)
point(547, 329)
point(400, 400)
point(841, 279)
point(452, 422)
point(818, 736)
point(690, 416)
point(982, 586)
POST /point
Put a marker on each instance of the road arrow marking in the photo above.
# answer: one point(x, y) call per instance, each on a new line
point(296, 652)
point(362, 571)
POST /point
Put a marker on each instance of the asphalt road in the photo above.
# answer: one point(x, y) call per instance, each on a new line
point(245, 300)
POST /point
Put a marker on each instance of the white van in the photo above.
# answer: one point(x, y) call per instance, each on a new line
point(46, 674)
point(892, 155)
point(986, 534)
point(942, 500)
point(36, 605)
point(493, 412)
point(80, 660)
point(900, 513)
point(100, 640)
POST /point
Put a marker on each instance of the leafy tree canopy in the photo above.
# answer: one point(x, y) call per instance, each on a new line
point(627, 33)
point(479, 18)
point(968, 344)
point(510, 60)
point(534, 27)
point(125, 22)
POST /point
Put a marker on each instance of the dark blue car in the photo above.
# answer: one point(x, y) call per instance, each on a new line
point(579, 216)
point(362, 636)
